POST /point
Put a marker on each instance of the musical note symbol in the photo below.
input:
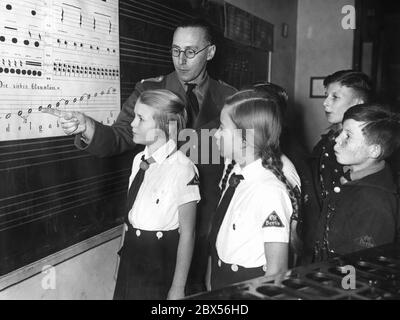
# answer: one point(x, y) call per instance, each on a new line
point(34, 11)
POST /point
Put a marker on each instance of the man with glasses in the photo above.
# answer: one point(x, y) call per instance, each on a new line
point(192, 48)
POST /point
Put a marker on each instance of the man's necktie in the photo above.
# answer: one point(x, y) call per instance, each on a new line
point(234, 180)
point(192, 105)
point(136, 183)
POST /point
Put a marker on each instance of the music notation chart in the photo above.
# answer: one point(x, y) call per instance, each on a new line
point(61, 54)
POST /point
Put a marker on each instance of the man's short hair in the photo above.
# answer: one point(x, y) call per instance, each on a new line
point(382, 127)
point(358, 81)
point(199, 22)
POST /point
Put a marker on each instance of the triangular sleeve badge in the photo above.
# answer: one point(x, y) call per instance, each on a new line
point(273, 220)
point(195, 181)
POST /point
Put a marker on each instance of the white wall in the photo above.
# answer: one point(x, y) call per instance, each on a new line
point(323, 47)
point(89, 275)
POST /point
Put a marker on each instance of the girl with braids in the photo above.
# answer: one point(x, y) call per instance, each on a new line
point(250, 232)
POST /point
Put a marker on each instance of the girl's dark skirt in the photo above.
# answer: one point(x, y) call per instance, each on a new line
point(147, 265)
point(224, 274)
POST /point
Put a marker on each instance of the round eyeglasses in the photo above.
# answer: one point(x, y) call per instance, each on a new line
point(189, 53)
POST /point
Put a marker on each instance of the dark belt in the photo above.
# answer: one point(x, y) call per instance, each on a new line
point(147, 234)
point(236, 268)
point(224, 274)
point(233, 267)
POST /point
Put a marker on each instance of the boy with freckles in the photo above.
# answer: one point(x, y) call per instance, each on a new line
point(364, 211)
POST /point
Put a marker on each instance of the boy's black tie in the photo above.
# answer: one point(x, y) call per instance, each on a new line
point(192, 105)
point(136, 183)
point(234, 180)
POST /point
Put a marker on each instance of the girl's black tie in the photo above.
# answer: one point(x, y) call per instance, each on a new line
point(136, 183)
point(234, 180)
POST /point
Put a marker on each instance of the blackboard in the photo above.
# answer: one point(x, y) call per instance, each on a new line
point(53, 195)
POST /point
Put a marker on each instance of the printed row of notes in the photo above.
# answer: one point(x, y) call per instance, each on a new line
point(16, 41)
point(61, 44)
point(33, 126)
point(84, 71)
point(23, 72)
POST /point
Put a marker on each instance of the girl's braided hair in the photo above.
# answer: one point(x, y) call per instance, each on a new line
point(260, 110)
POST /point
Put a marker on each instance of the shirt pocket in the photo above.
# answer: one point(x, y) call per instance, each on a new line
point(238, 222)
point(160, 196)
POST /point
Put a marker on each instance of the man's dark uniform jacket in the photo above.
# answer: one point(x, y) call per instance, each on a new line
point(116, 139)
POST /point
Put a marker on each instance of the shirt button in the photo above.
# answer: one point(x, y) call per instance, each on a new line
point(326, 154)
point(219, 263)
point(264, 268)
point(234, 268)
point(336, 189)
point(159, 235)
point(322, 166)
point(138, 233)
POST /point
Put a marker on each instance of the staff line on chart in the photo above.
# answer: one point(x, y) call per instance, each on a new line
point(66, 102)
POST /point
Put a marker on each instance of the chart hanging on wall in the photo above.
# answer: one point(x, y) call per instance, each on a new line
point(59, 54)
